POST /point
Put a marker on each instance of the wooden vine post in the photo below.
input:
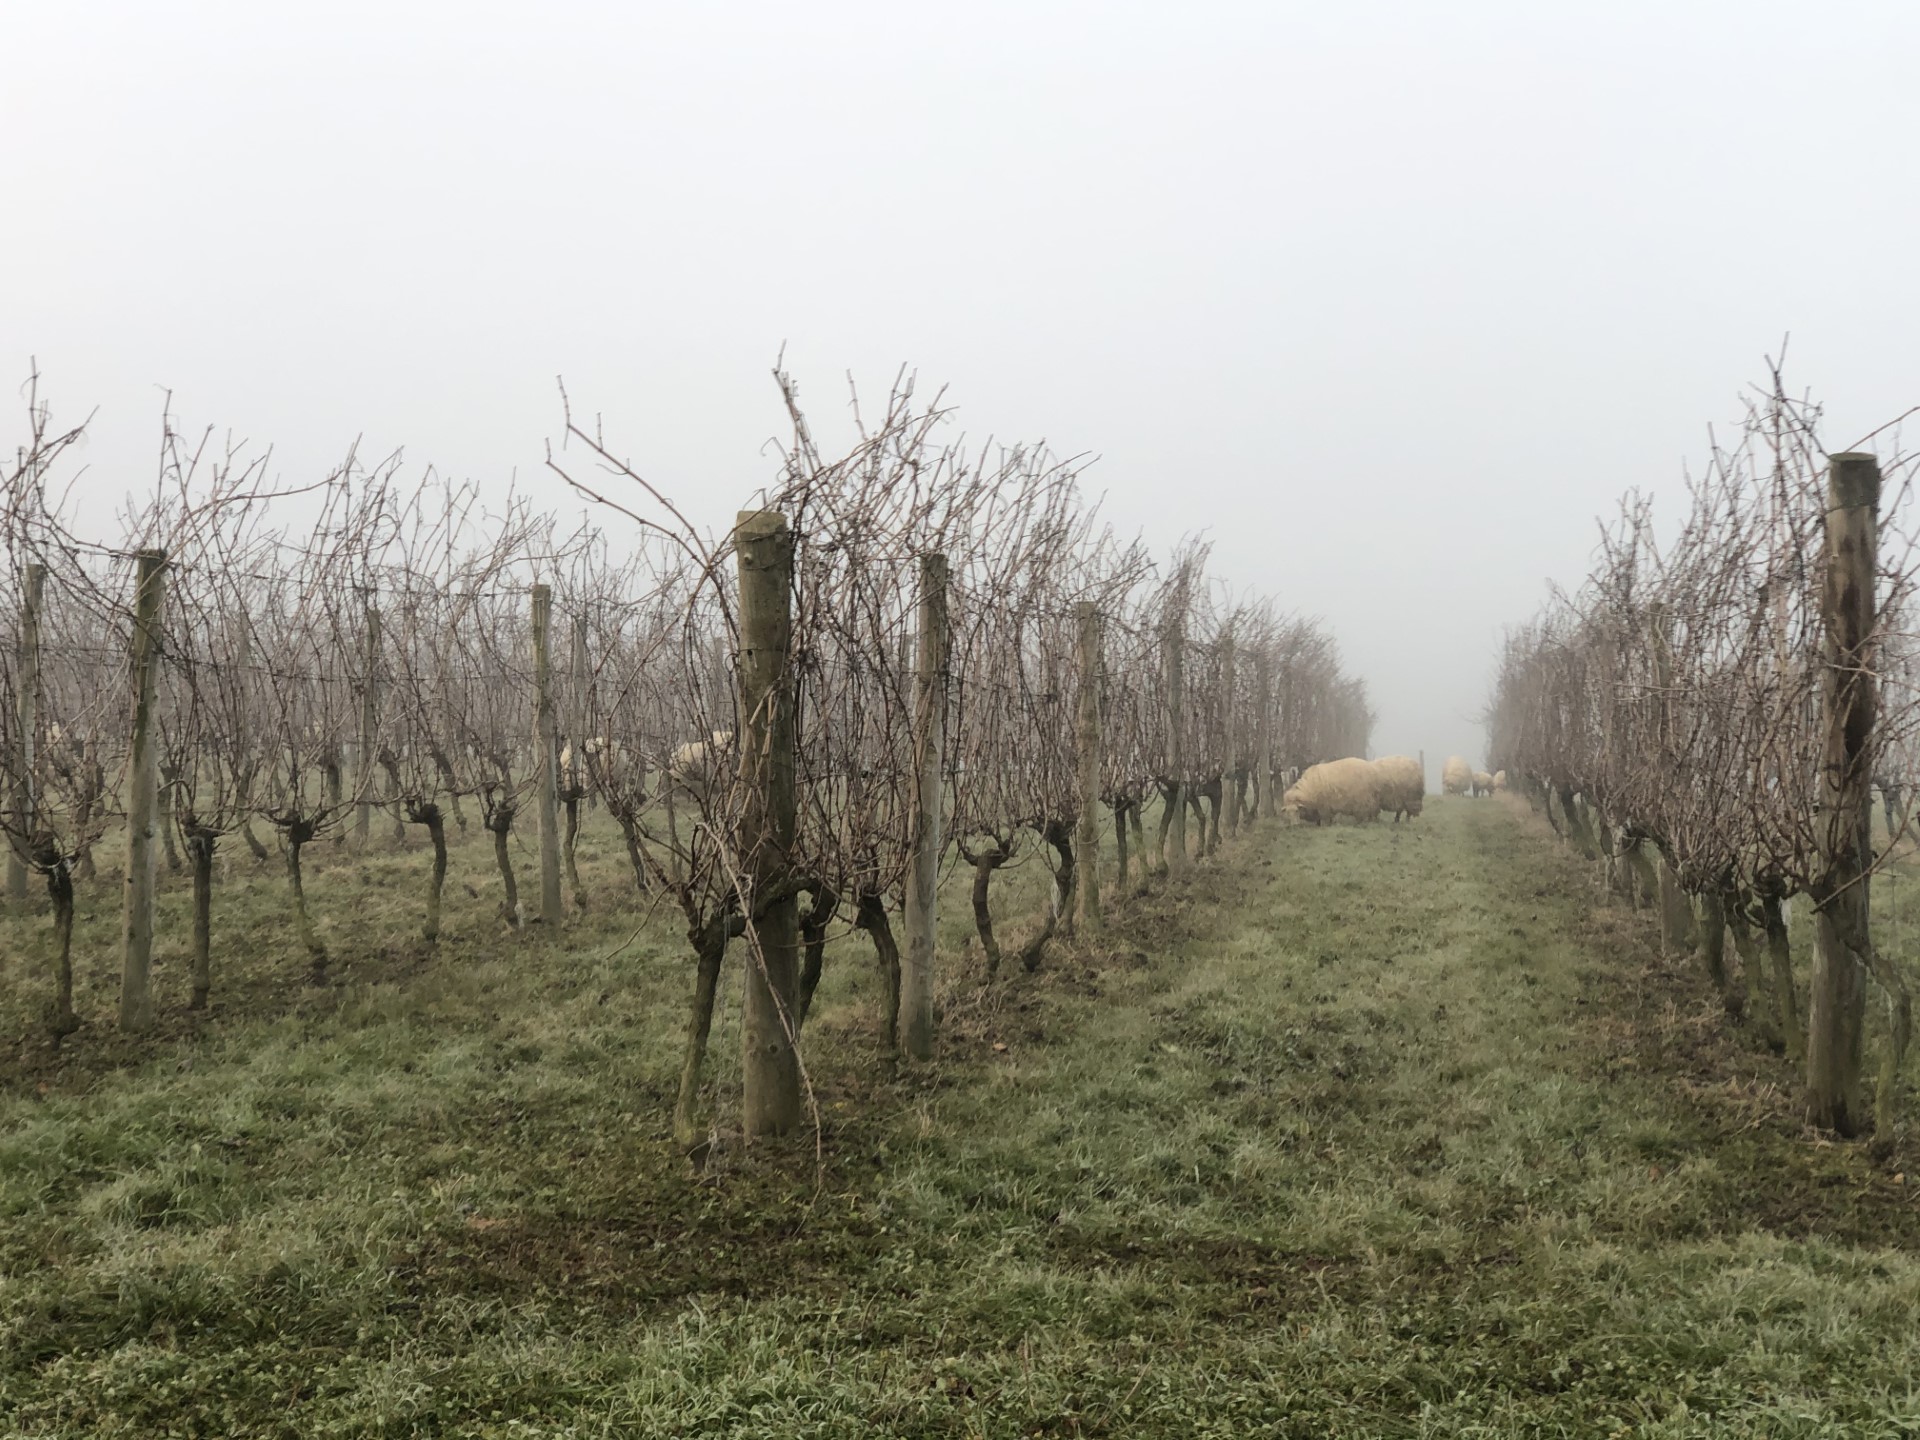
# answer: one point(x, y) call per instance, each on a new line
point(720, 683)
point(1263, 806)
point(369, 723)
point(1837, 1012)
point(1174, 647)
point(1676, 910)
point(546, 758)
point(1087, 741)
point(579, 709)
point(27, 715)
point(576, 777)
point(143, 798)
point(1229, 740)
point(929, 823)
point(770, 1068)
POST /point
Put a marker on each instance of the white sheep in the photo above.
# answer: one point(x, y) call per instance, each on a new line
point(1403, 784)
point(694, 766)
point(1334, 788)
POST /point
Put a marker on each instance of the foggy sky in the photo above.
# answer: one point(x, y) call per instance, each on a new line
point(1392, 298)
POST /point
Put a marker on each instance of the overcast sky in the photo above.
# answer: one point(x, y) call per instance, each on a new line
point(1392, 298)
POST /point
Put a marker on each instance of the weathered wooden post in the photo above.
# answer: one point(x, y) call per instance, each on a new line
point(27, 713)
point(1230, 740)
point(721, 684)
point(243, 663)
point(369, 724)
point(1676, 910)
point(143, 798)
point(576, 780)
point(449, 709)
point(1174, 647)
point(580, 709)
point(1087, 741)
point(1263, 802)
point(770, 1066)
point(1837, 1012)
point(1710, 939)
point(929, 821)
point(546, 758)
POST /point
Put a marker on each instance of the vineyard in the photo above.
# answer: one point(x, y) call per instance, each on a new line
point(1708, 718)
point(878, 967)
point(911, 657)
point(1215, 856)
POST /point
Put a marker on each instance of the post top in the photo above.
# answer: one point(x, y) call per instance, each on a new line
point(758, 524)
point(1853, 480)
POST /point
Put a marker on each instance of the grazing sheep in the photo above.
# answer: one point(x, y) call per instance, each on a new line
point(597, 750)
point(1456, 776)
point(1482, 783)
point(1403, 785)
point(697, 764)
point(1337, 787)
point(1499, 780)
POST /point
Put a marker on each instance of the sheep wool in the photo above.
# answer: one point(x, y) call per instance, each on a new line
point(696, 764)
point(1456, 776)
point(1482, 783)
point(1403, 784)
point(1327, 791)
point(1499, 780)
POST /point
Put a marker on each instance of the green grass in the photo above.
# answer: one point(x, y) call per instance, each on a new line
point(1363, 1131)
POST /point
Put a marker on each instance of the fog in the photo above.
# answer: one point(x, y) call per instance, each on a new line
point(1390, 299)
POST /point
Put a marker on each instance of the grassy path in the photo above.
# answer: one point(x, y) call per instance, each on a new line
point(1372, 1131)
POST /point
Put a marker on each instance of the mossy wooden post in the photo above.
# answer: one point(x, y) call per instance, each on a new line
point(579, 711)
point(576, 778)
point(369, 723)
point(929, 822)
point(770, 1071)
point(1786, 998)
point(27, 715)
point(1263, 804)
point(546, 758)
point(1711, 923)
point(721, 685)
point(1087, 740)
point(1676, 910)
point(1837, 1013)
point(449, 707)
point(143, 798)
point(1173, 645)
point(1229, 739)
point(243, 663)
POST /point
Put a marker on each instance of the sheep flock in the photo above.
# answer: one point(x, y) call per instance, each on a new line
point(1360, 790)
